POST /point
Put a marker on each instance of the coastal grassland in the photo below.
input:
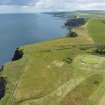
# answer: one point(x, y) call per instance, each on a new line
point(50, 70)
point(96, 29)
point(57, 72)
point(43, 68)
point(89, 91)
point(78, 83)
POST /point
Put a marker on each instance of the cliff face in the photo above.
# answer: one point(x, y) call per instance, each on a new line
point(2, 87)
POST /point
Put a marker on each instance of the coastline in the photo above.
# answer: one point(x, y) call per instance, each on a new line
point(49, 68)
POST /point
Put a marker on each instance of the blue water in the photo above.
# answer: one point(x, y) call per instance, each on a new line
point(20, 29)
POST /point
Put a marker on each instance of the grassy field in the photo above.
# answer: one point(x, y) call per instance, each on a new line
point(58, 72)
point(96, 28)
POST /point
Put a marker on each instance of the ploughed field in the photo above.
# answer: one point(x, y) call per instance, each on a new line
point(59, 72)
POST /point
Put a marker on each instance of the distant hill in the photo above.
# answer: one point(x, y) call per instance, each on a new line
point(72, 14)
point(102, 12)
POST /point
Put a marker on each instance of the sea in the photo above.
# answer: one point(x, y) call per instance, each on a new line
point(21, 29)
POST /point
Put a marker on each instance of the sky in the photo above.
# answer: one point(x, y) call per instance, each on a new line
point(31, 6)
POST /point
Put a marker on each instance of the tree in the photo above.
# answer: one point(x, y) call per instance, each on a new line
point(17, 55)
point(100, 50)
point(72, 34)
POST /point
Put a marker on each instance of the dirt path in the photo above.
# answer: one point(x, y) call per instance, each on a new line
point(102, 101)
point(11, 102)
point(58, 94)
point(83, 33)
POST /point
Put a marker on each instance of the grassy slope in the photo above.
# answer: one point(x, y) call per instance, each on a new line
point(45, 76)
point(96, 29)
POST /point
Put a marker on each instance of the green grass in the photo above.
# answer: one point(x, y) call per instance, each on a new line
point(96, 28)
point(79, 82)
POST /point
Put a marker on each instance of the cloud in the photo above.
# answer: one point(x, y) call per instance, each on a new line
point(70, 4)
point(50, 5)
point(15, 2)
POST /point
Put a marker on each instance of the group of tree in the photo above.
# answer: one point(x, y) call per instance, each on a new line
point(72, 23)
point(75, 22)
point(100, 50)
